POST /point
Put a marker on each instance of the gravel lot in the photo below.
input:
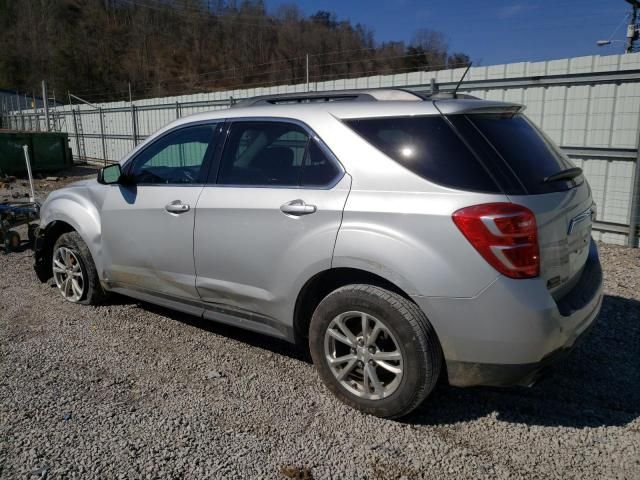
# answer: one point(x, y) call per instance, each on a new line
point(130, 390)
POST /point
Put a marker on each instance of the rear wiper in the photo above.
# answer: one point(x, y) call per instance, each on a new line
point(568, 174)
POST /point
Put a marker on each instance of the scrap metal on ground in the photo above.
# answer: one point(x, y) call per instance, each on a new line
point(15, 214)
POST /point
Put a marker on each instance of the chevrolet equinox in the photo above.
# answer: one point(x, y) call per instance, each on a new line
point(404, 238)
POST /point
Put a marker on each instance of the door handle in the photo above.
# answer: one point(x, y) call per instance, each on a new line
point(177, 207)
point(297, 208)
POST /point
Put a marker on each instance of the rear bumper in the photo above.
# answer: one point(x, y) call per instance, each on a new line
point(514, 329)
point(500, 375)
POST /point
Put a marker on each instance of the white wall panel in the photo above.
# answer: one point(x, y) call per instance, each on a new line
point(577, 109)
point(605, 115)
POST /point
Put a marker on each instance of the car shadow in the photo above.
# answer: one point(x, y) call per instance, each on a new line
point(25, 245)
point(596, 385)
point(254, 339)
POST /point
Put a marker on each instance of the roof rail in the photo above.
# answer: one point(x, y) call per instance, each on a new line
point(364, 95)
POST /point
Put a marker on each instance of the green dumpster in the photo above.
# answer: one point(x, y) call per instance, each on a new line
point(49, 151)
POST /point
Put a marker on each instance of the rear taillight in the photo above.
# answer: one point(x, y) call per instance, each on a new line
point(505, 234)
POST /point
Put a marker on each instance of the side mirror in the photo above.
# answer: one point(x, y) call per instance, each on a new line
point(110, 174)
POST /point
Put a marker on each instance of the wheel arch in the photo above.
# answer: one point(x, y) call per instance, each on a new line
point(67, 210)
point(323, 283)
point(45, 240)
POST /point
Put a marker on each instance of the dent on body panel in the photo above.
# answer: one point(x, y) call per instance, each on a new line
point(153, 279)
point(235, 293)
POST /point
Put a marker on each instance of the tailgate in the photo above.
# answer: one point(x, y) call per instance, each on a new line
point(563, 205)
point(564, 222)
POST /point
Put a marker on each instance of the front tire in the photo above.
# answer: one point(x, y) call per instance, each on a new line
point(74, 272)
point(375, 350)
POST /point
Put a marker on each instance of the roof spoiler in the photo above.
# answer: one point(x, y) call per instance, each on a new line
point(462, 106)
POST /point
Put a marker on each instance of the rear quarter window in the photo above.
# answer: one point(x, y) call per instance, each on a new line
point(428, 147)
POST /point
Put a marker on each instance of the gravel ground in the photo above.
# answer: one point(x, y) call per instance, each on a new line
point(130, 390)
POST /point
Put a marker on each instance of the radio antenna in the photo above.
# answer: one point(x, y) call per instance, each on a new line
point(455, 90)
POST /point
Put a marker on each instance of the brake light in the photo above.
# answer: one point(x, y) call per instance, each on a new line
point(506, 236)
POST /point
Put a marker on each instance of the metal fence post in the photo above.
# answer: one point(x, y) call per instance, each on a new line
point(21, 124)
point(35, 111)
point(45, 102)
point(104, 145)
point(75, 130)
point(134, 124)
point(177, 110)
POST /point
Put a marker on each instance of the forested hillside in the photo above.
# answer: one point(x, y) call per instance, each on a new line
point(95, 48)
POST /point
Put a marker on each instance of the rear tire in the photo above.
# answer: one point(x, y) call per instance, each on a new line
point(391, 368)
point(74, 272)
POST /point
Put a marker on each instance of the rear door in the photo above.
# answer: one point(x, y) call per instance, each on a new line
point(266, 223)
point(564, 209)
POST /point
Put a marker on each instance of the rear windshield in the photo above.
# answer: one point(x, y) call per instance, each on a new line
point(526, 150)
point(429, 147)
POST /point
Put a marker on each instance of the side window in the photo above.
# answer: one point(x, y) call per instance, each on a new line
point(317, 170)
point(175, 158)
point(428, 147)
point(263, 153)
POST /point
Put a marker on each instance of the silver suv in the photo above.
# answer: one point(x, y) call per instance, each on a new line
point(403, 238)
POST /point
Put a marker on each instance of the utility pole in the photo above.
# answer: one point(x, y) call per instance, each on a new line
point(632, 28)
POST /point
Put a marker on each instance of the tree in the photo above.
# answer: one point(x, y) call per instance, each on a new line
point(458, 60)
point(95, 48)
point(430, 48)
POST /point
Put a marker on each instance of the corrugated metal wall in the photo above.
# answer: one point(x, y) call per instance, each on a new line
point(589, 105)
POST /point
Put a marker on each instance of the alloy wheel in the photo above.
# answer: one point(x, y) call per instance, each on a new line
point(363, 355)
point(68, 274)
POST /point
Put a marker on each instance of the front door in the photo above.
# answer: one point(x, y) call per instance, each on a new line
point(267, 224)
point(147, 224)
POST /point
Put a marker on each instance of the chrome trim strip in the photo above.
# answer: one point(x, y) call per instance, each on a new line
point(581, 217)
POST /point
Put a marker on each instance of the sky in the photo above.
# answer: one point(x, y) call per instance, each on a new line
point(491, 31)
